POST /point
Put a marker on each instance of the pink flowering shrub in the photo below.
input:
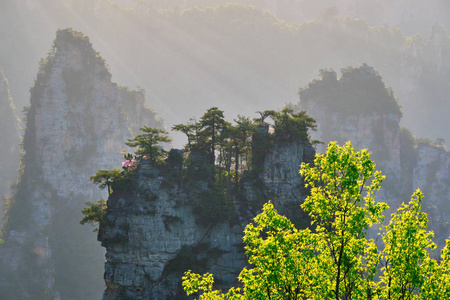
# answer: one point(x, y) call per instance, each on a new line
point(130, 163)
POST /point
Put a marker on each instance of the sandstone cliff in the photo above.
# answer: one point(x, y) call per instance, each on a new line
point(76, 124)
point(153, 233)
point(432, 175)
point(358, 107)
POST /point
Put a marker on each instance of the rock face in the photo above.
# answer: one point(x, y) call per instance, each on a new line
point(76, 124)
point(356, 107)
point(340, 109)
point(432, 176)
point(154, 234)
point(9, 140)
point(423, 83)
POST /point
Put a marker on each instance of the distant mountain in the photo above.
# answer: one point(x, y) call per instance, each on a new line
point(76, 124)
point(238, 56)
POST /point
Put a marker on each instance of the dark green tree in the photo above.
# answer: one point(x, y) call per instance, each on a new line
point(106, 178)
point(224, 148)
point(190, 130)
point(290, 126)
point(242, 135)
point(212, 123)
point(149, 143)
point(94, 213)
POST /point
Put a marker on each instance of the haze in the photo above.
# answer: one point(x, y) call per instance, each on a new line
point(241, 58)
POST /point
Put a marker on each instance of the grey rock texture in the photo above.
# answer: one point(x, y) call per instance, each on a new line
point(432, 176)
point(143, 246)
point(357, 107)
point(153, 236)
point(9, 141)
point(75, 126)
point(409, 163)
point(423, 85)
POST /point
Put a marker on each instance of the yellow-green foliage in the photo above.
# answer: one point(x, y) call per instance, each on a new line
point(337, 260)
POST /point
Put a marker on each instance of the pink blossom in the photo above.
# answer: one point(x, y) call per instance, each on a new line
point(130, 163)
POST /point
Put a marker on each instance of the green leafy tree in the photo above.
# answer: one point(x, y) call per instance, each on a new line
point(190, 130)
point(106, 178)
point(242, 135)
point(94, 213)
point(342, 208)
point(289, 125)
point(408, 244)
point(225, 152)
point(148, 146)
point(149, 143)
point(436, 283)
point(283, 259)
point(336, 260)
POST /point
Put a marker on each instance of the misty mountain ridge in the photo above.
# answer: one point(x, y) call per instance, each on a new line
point(76, 123)
point(237, 55)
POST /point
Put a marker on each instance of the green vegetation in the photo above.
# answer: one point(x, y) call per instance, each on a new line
point(213, 206)
point(94, 213)
point(235, 145)
point(218, 153)
point(148, 144)
point(106, 179)
point(221, 37)
point(148, 148)
point(290, 126)
point(359, 90)
point(113, 180)
point(335, 259)
point(212, 124)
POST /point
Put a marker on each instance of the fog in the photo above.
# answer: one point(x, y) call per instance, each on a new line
point(189, 57)
point(241, 56)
